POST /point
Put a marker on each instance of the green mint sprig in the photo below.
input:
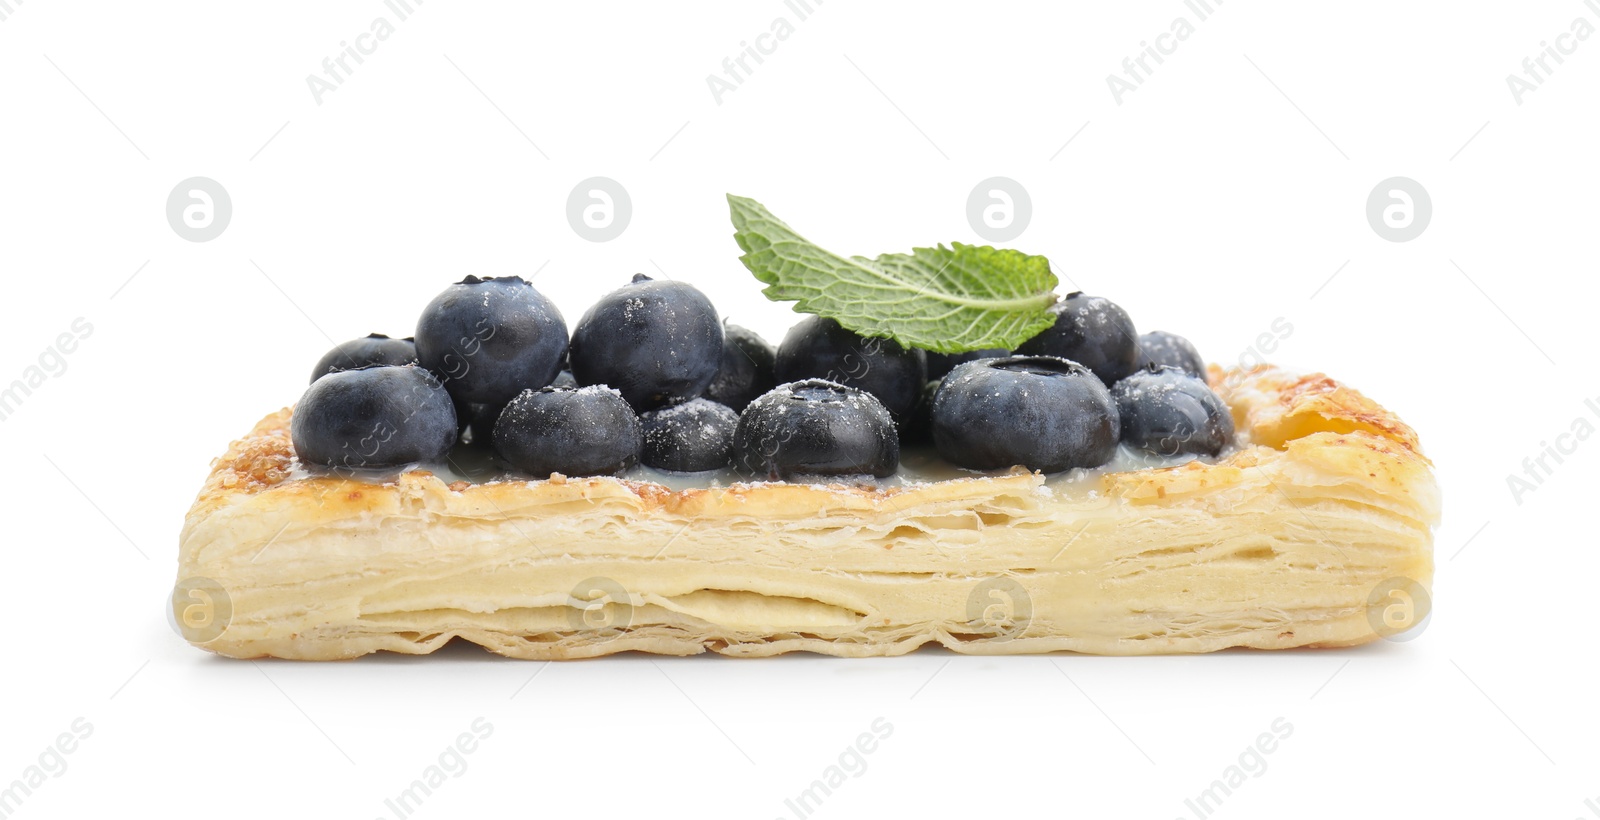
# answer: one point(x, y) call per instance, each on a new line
point(948, 300)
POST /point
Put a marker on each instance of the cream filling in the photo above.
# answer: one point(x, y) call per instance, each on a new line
point(918, 466)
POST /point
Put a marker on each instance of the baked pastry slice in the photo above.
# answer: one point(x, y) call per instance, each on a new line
point(1315, 531)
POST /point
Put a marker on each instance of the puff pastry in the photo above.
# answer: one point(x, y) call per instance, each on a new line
point(1280, 544)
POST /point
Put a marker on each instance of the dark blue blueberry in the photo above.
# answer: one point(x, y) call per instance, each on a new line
point(918, 427)
point(463, 414)
point(1042, 412)
point(656, 342)
point(1172, 350)
point(815, 427)
point(380, 416)
point(818, 348)
point(489, 339)
point(690, 437)
point(747, 368)
point(480, 419)
point(1168, 412)
point(376, 348)
point(573, 431)
point(941, 363)
point(1091, 331)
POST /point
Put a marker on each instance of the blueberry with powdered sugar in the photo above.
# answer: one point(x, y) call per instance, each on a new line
point(657, 342)
point(688, 438)
point(487, 339)
point(816, 427)
point(1168, 412)
point(1041, 412)
point(1172, 350)
point(1092, 331)
point(372, 417)
point(821, 348)
point(747, 369)
point(573, 431)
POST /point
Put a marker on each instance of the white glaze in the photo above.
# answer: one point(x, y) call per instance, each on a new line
point(918, 465)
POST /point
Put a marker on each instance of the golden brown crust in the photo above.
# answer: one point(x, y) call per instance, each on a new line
point(1276, 407)
point(1314, 449)
point(1271, 407)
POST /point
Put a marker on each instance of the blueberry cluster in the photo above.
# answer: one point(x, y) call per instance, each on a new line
point(1068, 396)
point(652, 375)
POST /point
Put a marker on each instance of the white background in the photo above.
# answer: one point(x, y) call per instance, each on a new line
point(1224, 193)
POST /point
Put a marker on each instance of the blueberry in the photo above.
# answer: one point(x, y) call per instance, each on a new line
point(1172, 350)
point(376, 348)
point(463, 414)
point(573, 431)
point(657, 343)
point(1091, 331)
point(918, 427)
point(379, 416)
point(1042, 412)
point(815, 427)
point(746, 371)
point(489, 339)
point(1168, 412)
point(480, 419)
point(941, 363)
point(818, 348)
point(690, 437)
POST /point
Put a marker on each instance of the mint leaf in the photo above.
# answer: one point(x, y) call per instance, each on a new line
point(948, 300)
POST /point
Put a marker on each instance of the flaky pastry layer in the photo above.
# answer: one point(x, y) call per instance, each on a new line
point(1281, 544)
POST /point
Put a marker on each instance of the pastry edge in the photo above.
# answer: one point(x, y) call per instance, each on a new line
point(1290, 420)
